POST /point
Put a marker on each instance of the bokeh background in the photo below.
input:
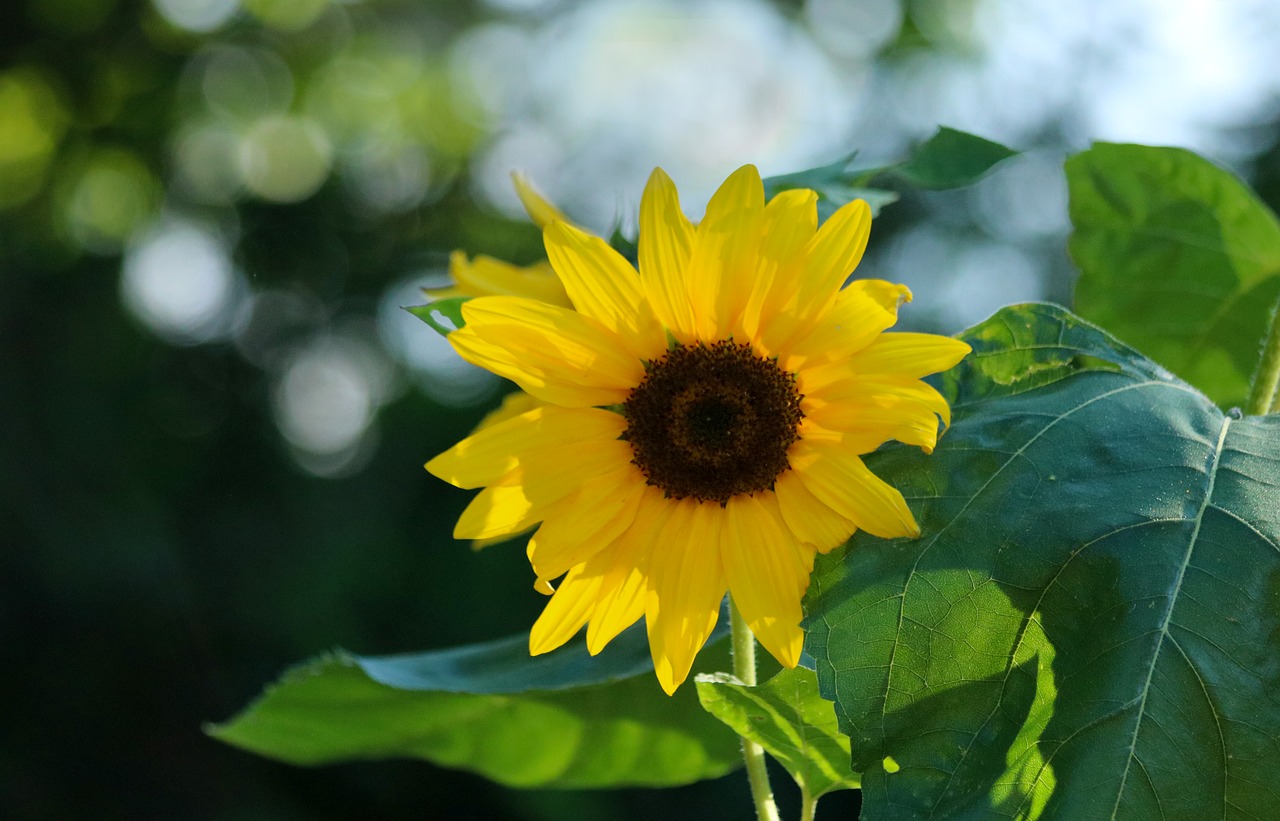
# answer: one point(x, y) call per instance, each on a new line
point(213, 412)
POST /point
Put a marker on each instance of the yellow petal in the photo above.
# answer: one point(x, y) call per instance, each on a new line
point(513, 404)
point(790, 220)
point(604, 286)
point(910, 355)
point(833, 254)
point(481, 544)
point(809, 520)
point(726, 253)
point(583, 522)
point(666, 239)
point(858, 315)
point(620, 603)
point(890, 296)
point(486, 456)
point(542, 477)
point(767, 574)
point(486, 276)
point(864, 427)
point(539, 208)
point(557, 355)
point(884, 391)
point(565, 614)
point(552, 473)
point(686, 586)
point(836, 476)
point(502, 509)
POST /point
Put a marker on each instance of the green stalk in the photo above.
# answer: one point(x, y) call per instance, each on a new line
point(808, 803)
point(1263, 396)
point(744, 668)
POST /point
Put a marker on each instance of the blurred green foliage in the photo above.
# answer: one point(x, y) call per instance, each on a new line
point(162, 552)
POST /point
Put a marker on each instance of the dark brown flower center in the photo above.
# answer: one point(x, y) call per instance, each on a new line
point(712, 421)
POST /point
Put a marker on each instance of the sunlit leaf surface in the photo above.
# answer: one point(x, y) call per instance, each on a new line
point(1178, 258)
point(1090, 625)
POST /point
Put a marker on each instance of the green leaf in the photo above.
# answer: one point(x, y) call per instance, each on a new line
point(563, 719)
point(950, 159)
point(1177, 257)
point(443, 315)
point(620, 243)
point(1089, 626)
point(836, 184)
point(505, 666)
point(787, 717)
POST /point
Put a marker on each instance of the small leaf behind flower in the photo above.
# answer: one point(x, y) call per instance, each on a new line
point(837, 183)
point(948, 159)
point(793, 723)
point(444, 315)
point(620, 243)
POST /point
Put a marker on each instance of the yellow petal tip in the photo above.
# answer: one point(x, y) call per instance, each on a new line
point(539, 208)
point(666, 674)
point(538, 644)
point(791, 661)
point(594, 645)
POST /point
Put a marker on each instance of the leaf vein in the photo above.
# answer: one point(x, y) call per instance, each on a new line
point(1166, 619)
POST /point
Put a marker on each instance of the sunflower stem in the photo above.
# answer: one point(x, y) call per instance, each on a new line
point(808, 803)
point(744, 669)
point(1266, 377)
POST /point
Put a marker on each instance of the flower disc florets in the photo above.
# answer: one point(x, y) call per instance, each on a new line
point(711, 421)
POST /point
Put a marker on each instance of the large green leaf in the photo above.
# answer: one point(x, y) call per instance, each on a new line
point(564, 719)
point(1089, 626)
point(790, 720)
point(1178, 258)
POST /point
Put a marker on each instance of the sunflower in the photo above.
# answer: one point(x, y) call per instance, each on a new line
point(701, 420)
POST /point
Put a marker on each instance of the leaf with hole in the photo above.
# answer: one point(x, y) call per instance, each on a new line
point(443, 315)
